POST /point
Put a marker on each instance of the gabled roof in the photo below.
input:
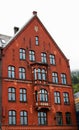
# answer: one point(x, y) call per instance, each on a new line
point(26, 25)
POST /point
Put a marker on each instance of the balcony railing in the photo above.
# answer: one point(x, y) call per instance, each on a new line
point(42, 105)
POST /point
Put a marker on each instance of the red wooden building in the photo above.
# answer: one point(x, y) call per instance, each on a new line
point(35, 83)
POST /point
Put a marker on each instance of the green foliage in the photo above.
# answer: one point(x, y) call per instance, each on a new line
point(76, 88)
point(75, 80)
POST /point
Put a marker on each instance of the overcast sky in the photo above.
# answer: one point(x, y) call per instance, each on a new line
point(60, 17)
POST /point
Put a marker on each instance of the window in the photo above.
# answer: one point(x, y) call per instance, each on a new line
point(11, 71)
point(22, 54)
point(32, 55)
point(52, 59)
point(23, 95)
point(35, 74)
point(39, 74)
point(37, 40)
point(22, 73)
point(55, 77)
point(36, 96)
point(23, 118)
point(12, 117)
point(11, 94)
point(43, 74)
point(42, 118)
point(63, 78)
point(43, 57)
point(57, 97)
point(59, 119)
point(66, 98)
point(68, 118)
point(43, 95)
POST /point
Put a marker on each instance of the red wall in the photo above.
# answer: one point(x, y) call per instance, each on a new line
point(26, 40)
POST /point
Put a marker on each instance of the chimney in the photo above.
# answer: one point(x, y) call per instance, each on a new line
point(16, 29)
point(34, 13)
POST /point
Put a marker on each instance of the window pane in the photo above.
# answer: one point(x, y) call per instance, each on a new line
point(12, 117)
point(59, 118)
point(55, 77)
point(21, 73)
point(43, 96)
point(35, 74)
point(63, 78)
point(22, 54)
point(11, 94)
point(43, 58)
point(66, 97)
point(32, 55)
point(68, 118)
point(52, 59)
point(43, 74)
point(37, 40)
point(23, 117)
point(23, 95)
point(39, 74)
point(11, 72)
point(42, 118)
point(57, 97)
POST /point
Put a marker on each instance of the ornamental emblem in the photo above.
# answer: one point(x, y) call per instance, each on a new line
point(36, 28)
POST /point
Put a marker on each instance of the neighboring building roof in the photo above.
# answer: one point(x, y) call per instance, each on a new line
point(76, 95)
point(4, 40)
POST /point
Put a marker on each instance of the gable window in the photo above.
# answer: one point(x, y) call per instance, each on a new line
point(11, 71)
point(31, 55)
point(52, 59)
point(55, 77)
point(37, 40)
point(57, 97)
point(66, 98)
point(63, 78)
point(11, 94)
point(23, 95)
point(59, 119)
point(43, 95)
point(12, 117)
point(43, 58)
point(42, 118)
point(22, 54)
point(23, 118)
point(22, 73)
point(68, 118)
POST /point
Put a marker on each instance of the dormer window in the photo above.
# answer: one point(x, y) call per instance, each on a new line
point(37, 40)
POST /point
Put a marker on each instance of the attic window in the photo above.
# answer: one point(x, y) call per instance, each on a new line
point(37, 40)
